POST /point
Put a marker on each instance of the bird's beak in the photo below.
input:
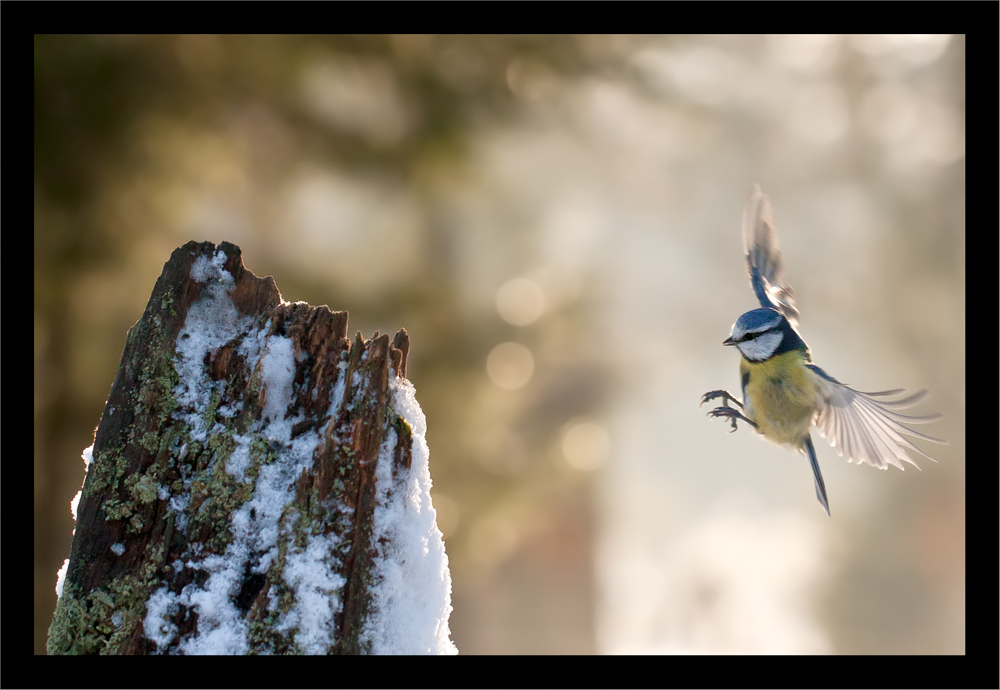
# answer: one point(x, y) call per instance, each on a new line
point(729, 341)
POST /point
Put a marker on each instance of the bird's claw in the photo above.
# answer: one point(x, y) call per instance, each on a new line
point(725, 395)
point(727, 412)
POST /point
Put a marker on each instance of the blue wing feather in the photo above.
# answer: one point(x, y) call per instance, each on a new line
point(760, 243)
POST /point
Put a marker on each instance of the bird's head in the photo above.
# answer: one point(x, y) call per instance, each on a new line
point(758, 333)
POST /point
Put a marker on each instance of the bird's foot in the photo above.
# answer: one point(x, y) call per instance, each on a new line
point(732, 415)
point(725, 395)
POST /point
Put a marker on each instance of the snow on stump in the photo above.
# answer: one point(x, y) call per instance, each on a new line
point(258, 484)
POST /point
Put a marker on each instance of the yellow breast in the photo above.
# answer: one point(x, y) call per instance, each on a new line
point(780, 396)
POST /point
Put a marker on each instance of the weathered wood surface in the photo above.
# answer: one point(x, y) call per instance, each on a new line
point(188, 449)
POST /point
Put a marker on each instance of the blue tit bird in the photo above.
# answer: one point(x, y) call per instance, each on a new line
point(785, 394)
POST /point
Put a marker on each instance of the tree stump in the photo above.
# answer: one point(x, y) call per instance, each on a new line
point(258, 484)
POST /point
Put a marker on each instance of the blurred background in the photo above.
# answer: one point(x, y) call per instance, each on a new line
point(556, 222)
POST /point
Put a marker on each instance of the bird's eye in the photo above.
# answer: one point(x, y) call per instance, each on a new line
point(749, 336)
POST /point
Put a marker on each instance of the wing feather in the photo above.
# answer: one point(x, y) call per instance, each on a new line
point(865, 427)
point(760, 244)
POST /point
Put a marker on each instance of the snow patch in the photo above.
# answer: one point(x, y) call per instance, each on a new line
point(309, 572)
point(205, 270)
point(277, 368)
point(211, 322)
point(411, 597)
point(61, 578)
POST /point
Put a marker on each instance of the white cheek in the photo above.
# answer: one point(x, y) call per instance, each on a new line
point(761, 347)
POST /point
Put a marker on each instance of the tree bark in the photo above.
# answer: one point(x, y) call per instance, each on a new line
point(241, 432)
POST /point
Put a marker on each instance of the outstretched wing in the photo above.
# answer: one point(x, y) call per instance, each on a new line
point(865, 427)
point(760, 243)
